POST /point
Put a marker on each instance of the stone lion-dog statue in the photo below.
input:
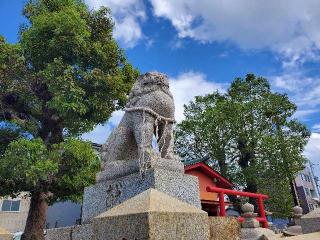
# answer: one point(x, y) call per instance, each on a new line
point(149, 112)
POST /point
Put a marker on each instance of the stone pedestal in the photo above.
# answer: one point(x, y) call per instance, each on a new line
point(224, 228)
point(311, 222)
point(152, 215)
point(167, 176)
point(77, 232)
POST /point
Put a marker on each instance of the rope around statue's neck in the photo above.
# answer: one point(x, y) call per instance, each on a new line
point(149, 110)
point(143, 163)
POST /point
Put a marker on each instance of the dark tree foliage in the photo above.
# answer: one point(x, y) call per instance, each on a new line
point(251, 134)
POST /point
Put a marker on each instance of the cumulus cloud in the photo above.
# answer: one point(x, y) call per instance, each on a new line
point(304, 91)
point(102, 131)
point(184, 88)
point(288, 27)
point(312, 151)
point(316, 127)
point(187, 85)
point(128, 16)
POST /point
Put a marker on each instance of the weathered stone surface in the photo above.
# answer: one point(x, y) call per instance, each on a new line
point(152, 215)
point(149, 112)
point(59, 233)
point(249, 216)
point(309, 236)
point(105, 195)
point(77, 232)
point(293, 231)
point(311, 222)
point(257, 234)
point(117, 169)
point(251, 229)
point(224, 228)
point(83, 232)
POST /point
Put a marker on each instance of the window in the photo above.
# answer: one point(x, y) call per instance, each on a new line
point(313, 193)
point(311, 206)
point(10, 205)
point(308, 191)
point(301, 176)
point(308, 178)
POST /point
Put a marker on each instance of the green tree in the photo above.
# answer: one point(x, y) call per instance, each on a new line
point(65, 75)
point(251, 134)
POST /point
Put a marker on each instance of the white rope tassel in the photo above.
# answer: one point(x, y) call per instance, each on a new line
point(142, 160)
point(143, 163)
point(163, 136)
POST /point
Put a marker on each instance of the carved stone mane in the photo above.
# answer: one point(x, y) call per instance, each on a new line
point(146, 84)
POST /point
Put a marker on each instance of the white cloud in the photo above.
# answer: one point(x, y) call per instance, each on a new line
point(303, 91)
point(312, 151)
point(184, 88)
point(128, 16)
point(316, 128)
point(102, 131)
point(188, 85)
point(288, 27)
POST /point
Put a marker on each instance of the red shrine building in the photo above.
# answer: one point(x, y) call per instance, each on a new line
point(208, 177)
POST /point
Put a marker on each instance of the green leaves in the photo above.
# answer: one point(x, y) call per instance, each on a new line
point(27, 163)
point(62, 33)
point(250, 133)
point(67, 70)
point(64, 169)
point(65, 75)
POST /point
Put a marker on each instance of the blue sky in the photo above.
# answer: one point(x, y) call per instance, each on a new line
point(202, 45)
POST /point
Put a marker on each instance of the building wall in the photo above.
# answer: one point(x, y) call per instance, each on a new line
point(204, 182)
point(307, 190)
point(63, 214)
point(15, 221)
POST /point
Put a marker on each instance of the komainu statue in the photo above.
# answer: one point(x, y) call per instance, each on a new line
point(148, 113)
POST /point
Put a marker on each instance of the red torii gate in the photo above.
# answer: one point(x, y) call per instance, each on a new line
point(260, 197)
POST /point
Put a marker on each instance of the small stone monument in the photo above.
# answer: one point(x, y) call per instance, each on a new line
point(250, 227)
point(249, 216)
point(294, 228)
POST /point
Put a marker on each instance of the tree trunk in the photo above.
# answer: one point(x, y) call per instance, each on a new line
point(36, 220)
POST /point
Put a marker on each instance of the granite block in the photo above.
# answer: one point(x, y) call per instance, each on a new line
point(311, 222)
point(105, 195)
point(82, 232)
point(59, 233)
point(152, 215)
point(223, 228)
point(257, 234)
point(77, 232)
point(122, 168)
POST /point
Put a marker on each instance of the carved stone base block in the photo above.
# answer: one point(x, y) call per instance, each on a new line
point(122, 168)
point(77, 232)
point(224, 228)
point(311, 222)
point(152, 215)
point(107, 194)
point(257, 234)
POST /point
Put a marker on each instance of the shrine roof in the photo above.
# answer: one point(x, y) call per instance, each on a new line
point(201, 164)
